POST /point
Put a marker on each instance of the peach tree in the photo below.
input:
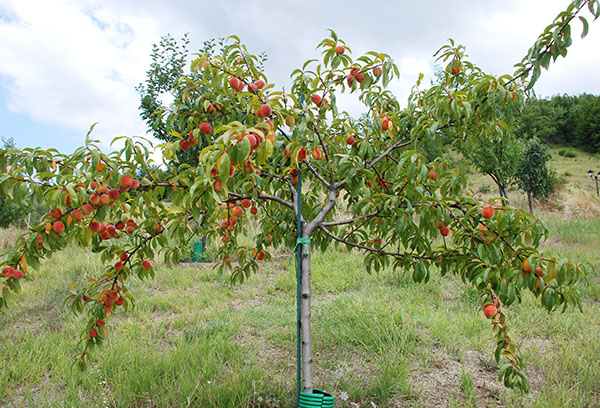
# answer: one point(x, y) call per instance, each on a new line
point(365, 186)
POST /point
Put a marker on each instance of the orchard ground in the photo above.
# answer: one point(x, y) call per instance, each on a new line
point(196, 340)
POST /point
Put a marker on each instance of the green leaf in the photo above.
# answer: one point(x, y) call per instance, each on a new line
point(585, 26)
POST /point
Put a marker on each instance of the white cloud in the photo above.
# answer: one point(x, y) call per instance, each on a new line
point(70, 63)
point(71, 66)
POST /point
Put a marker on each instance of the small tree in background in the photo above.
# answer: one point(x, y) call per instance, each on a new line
point(532, 175)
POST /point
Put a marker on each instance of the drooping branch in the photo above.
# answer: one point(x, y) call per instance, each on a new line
point(371, 249)
point(269, 197)
point(349, 220)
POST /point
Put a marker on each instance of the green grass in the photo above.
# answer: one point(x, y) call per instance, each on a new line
point(196, 340)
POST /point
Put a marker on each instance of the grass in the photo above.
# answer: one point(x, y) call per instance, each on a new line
point(194, 339)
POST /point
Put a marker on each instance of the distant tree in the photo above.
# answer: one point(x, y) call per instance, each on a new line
point(587, 126)
point(164, 86)
point(532, 175)
point(542, 119)
point(12, 212)
point(498, 156)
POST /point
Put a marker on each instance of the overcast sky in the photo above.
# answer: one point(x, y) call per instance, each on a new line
point(65, 64)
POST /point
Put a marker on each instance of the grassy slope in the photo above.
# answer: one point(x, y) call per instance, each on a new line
point(195, 340)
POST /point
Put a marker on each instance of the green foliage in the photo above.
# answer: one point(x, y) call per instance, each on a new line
point(566, 120)
point(567, 153)
point(11, 212)
point(532, 175)
point(587, 127)
point(367, 188)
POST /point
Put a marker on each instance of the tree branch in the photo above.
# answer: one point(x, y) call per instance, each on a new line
point(397, 145)
point(349, 221)
point(266, 197)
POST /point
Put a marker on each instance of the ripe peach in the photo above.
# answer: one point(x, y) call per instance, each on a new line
point(252, 88)
point(445, 231)
point(185, 144)
point(253, 210)
point(260, 256)
point(350, 140)
point(101, 189)
point(104, 199)
point(94, 185)
point(246, 203)
point(490, 310)
point(123, 256)
point(113, 193)
point(120, 225)
point(130, 229)
point(17, 274)
point(432, 175)
point(232, 220)
point(105, 235)
point(126, 180)
point(539, 271)
point(350, 79)
point(230, 228)
point(95, 199)
point(354, 71)
point(93, 333)
point(100, 322)
point(135, 184)
point(58, 227)
point(266, 110)
point(205, 128)
point(77, 214)
point(252, 139)
point(86, 209)
point(339, 50)
point(56, 213)
point(95, 226)
point(260, 84)
point(487, 211)
point(360, 77)
point(316, 99)
point(8, 272)
point(301, 154)
point(317, 154)
point(118, 266)
point(235, 83)
point(236, 211)
point(377, 71)
point(217, 185)
point(146, 264)
point(120, 301)
point(386, 124)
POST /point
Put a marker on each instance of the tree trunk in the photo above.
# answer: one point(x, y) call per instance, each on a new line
point(530, 202)
point(502, 192)
point(305, 300)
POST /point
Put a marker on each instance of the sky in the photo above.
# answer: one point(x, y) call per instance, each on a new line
point(66, 64)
